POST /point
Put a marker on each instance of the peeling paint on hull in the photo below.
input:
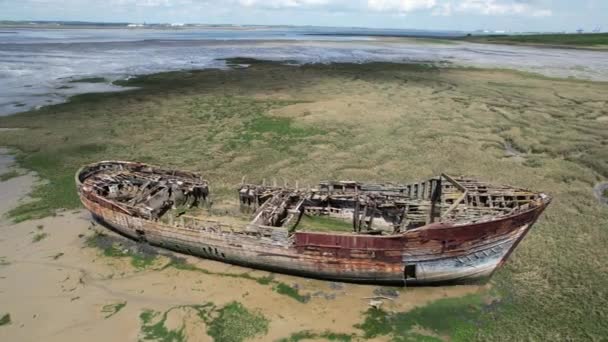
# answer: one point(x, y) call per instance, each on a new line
point(440, 252)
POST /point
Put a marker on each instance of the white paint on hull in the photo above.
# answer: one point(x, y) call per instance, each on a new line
point(477, 265)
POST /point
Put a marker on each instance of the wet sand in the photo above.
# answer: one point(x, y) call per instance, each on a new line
point(55, 289)
point(39, 66)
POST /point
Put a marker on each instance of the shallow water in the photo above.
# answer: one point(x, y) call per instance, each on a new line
point(36, 66)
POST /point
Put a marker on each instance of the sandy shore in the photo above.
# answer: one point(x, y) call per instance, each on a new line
point(55, 289)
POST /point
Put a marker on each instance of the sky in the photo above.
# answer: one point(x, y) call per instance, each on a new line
point(463, 15)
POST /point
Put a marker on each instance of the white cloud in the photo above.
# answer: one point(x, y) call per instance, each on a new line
point(530, 8)
point(283, 3)
point(401, 5)
point(542, 13)
point(449, 7)
point(443, 10)
point(492, 7)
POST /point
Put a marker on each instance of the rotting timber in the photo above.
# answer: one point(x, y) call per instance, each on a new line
point(442, 230)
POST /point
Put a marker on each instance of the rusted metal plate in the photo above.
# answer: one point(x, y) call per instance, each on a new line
point(476, 225)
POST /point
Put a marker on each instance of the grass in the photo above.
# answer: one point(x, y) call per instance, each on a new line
point(324, 224)
point(39, 237)
point(455, 317)
point(5, 320)
point(9, 175)
point(311, 335)
point(110, 310)
point(231, 323)
point(575, 40)
point(58, 192)
point(368, 122)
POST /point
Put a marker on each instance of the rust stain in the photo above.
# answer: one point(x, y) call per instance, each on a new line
point(444, 229)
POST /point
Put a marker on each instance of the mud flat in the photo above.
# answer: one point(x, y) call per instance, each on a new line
point(367, 122)
point(16, 185)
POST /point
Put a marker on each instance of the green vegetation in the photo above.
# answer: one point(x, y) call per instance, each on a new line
point(39, 237)
point(113, 249)
point(455, 317)
point(110, 310)
point(9, 175)
point(277, 286)
point(141, 259)
point(287, 290)
point(231, 323)
point(90, 80)
point(575, 40)
point(153, 328)
point(379, 121)
point(5, 320)
point(311, 335)
point(324, 223)
point(59, 191)
point(235, 323)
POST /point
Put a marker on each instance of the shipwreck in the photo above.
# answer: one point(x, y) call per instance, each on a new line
point(441, 230)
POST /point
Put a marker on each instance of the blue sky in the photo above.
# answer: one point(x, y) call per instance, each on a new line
point(515, 15)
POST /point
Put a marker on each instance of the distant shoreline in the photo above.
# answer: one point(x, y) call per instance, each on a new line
point(584, 41)
point(574, 41)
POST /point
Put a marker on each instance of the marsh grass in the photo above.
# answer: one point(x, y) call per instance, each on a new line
point(57, 190)
point(577, 40)
point(311, 335)
point(455, 317)
point(367, 122)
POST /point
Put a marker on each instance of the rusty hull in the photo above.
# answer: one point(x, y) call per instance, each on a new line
point(457, 242)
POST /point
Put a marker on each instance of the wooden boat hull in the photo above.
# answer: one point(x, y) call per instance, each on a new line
point(434, 254)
